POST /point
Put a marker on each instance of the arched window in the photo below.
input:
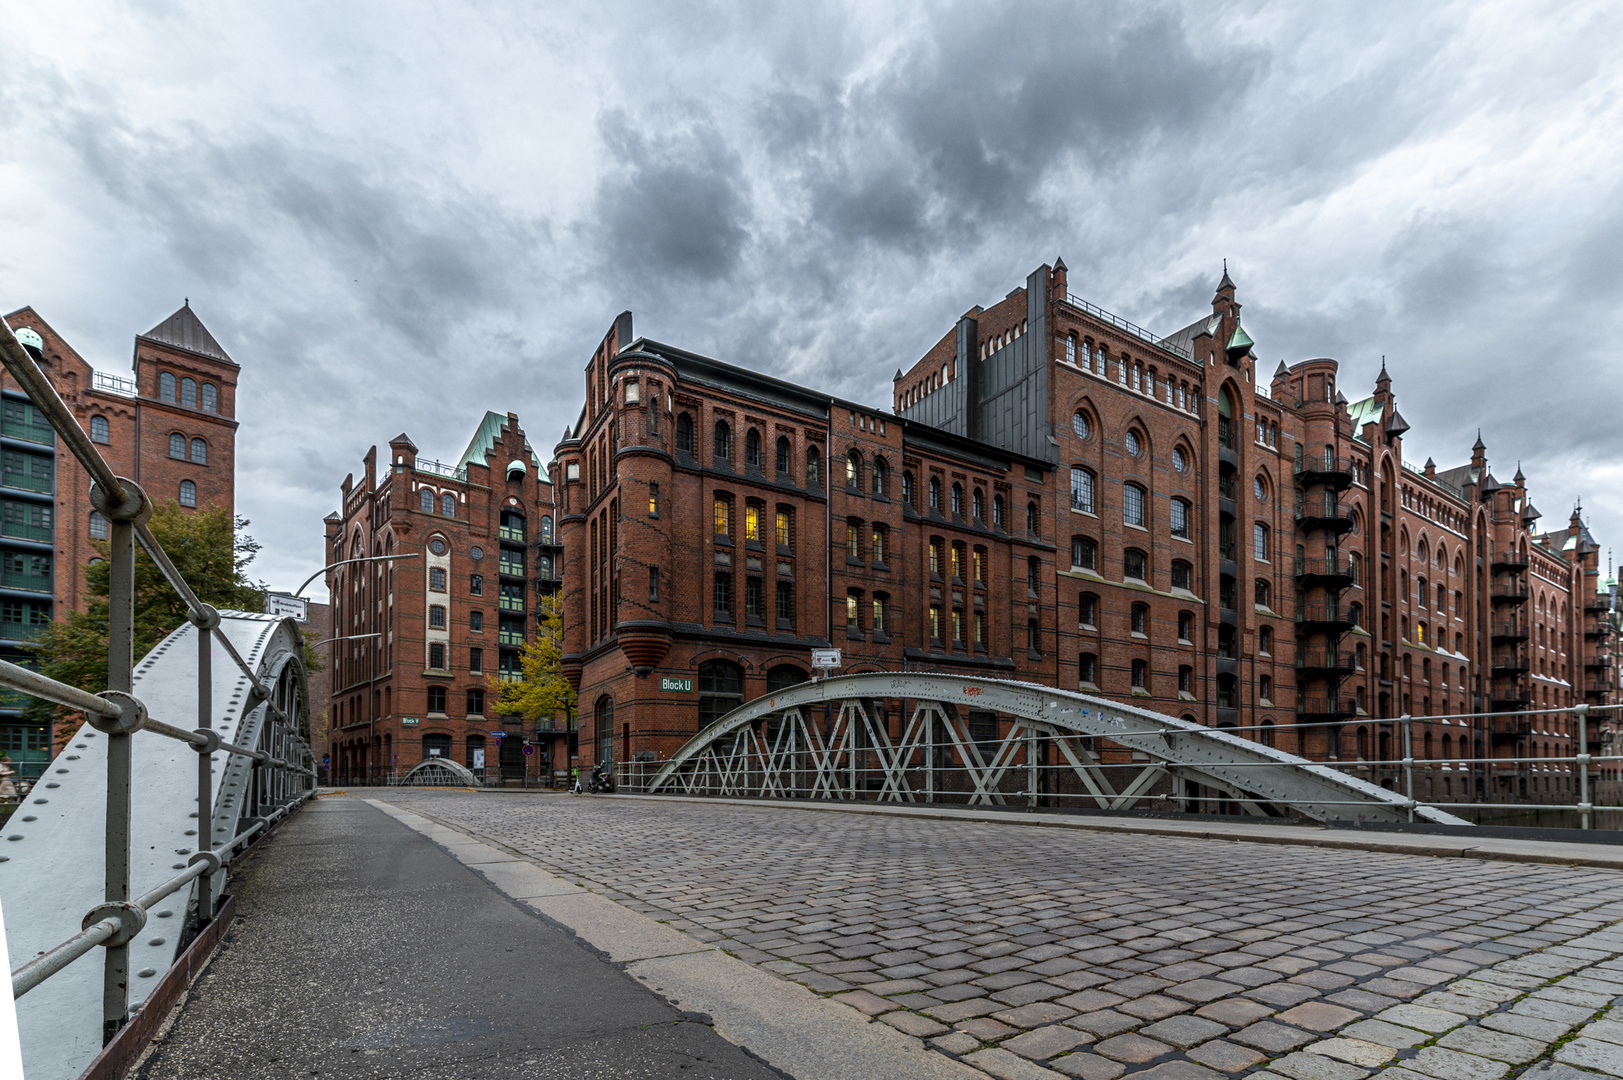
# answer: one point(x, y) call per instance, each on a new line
point(978, 505)
point(1140, 618)
point(935, 494)
point(166, 387)
point(1070, 349)
point(907, 490)
point(448, 504)
point(881, 476)
point(1259, 542)
point(546, 529)
point(957, 500)
point(100, 431)
point(1135, 565)
point(998, 517)
point(98, 526)
point(211, 398)
point(782, 677)
point(1183, 575)
point(188, 393)
point(426, 500)
point(437, 745)
point(1087, 611)
point(188, 493)
point(1082, 490)
point(603, 716)
point(814, 469)
point(177, 446)
point(1132, 505)
point(684, 433)
point(1080, 425)
point(1033, 519)
point(1227, 433)
point(1263, 591)
point(200, 452)
point(721, 690)
point(783, 457)
point(1180, 515)
point(1084, 553)
point(853, 470)
point(723, 444)
point(752, 449)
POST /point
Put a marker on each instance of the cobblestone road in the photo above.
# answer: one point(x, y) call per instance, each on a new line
point(1036, 953)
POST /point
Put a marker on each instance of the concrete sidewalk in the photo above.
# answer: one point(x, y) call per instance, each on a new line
point(363, 949)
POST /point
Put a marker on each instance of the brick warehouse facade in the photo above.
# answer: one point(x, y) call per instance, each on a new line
point(482, 532)
point(1061, 496)
point(171, 428)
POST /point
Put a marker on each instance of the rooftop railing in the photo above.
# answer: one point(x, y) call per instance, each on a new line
point(1132, 328)
point(114, 384)
point(440, 468)
point(287, 769)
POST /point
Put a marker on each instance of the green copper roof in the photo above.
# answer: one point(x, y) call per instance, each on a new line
point(1364, 412)
point(484, 440)
point(1241, 341)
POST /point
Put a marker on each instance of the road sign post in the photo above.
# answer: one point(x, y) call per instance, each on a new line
point(824, 661)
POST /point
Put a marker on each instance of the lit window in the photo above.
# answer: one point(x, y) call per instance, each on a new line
point(783, 528)
point(752, 523)
point(723, 517)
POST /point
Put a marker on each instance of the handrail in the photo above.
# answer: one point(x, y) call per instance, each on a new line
point(119, 714)
point(1132, 328)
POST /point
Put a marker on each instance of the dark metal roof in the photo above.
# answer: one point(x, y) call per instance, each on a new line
point(185, 330)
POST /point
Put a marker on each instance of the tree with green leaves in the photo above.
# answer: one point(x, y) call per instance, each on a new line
point(543, 692)
point(210, 549)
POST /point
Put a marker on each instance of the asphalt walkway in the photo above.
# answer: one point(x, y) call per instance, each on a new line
point(364, 949)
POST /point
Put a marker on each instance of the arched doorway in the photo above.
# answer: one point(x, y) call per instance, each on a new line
point(721, 690)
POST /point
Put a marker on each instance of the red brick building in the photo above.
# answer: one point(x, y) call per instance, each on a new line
point(171, 428)
point(1061, 496)
point(482, 535)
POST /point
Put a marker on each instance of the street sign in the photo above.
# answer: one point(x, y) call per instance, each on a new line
point(498, 734)
point(825, 658)
point(676, 686)
point(409, 721)
point(528, 749)
point(326, 759)
point(296, 608)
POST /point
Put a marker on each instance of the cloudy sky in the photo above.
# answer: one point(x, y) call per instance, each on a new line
point(398, 215)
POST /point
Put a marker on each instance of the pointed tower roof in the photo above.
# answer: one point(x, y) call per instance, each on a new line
point(1519, 478)
point(1059, 262)
point(898, 377)
point(1479, 444)
point(1383, 379)
point(1281, 371)
point(1240, 343)
point(1227, 282)
point(184, 330)
point(1395, 424)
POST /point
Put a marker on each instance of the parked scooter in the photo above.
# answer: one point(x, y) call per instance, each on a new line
point(602, 781)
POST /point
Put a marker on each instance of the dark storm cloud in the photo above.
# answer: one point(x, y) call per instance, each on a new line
point(672, 203)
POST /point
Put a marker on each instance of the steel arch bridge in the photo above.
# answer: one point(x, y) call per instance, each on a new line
point(54, 854)
point(1111, 755)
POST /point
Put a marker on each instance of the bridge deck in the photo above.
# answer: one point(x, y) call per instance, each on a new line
point(364, 950)
point(1095, 954)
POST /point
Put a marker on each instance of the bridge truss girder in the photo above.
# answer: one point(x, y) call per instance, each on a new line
point(772, 748)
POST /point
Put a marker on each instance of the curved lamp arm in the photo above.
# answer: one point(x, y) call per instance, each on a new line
point(347, 562)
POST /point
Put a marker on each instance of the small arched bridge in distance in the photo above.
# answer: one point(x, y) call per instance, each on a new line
point(998, 742)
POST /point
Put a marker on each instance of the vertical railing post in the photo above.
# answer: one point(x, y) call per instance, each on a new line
point(204, 623)
point(1582, 762)
point(1408, 761)
point(1031, 766)
point(120, 677)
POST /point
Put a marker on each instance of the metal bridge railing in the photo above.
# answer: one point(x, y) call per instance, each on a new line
point(119, 715)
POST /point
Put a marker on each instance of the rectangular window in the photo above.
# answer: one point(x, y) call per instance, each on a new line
point(476, 660)
point(1186, 679)
point(722, 593)
point(436, 579)
point(853, 541)
point(786, 604)
point(436, 656)
point(935, 558)
point(879, 615)
point(1134, 565)
point(1034, 570)
point(752, 523)
point(752, 597)
point(957, 625)
point(783, 528)
point(1088, 669)
point(935, 623)
point(476, 620)
point(958, 562)
point(653, 584)
point(1082, 490)
point(980, 629)
point(880, 538)
point(1260, 542)
point(723, 517)
point(1084, 553)
point(853, 611)
point(436, 616)
point(476, 703)
point(1132, 505)
point(653, 500)
point(1140, 674)
point(980, 566)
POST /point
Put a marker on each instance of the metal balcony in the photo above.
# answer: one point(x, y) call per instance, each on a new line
point(1508, 562)
point(1325, 662)
point(1514, 592)
point(1331, 571)
point(1327, 708)
point(1331, 517)
point(1328, 617)
point(1509, 631)
point(1331, 472)
point(1510, 697)
point(1511, 662)
point(1507, 728)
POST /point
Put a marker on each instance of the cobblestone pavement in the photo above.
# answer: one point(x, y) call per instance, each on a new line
point(1038, 953)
